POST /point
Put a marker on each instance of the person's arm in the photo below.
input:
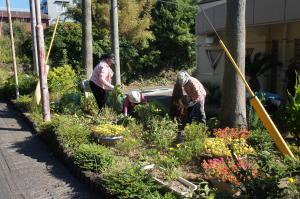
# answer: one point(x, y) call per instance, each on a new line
point(143, 99)
point(125, 106)
point(102, 77)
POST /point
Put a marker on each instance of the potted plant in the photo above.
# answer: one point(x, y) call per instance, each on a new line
point(108, 134)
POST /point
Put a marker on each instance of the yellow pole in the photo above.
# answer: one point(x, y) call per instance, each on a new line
point(260, 110)
point(37, 94)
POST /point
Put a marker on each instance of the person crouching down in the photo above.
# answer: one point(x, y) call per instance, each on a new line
point(132, 99)
point(100, 81)
point(196, 93)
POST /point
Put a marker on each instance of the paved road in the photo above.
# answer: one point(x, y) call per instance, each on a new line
point(28, 168)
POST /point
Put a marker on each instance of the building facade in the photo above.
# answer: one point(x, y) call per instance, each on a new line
point(55, 8)
point(272, 26)
point(21, 16)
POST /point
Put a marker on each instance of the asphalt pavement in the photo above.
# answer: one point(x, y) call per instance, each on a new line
point(28, 169)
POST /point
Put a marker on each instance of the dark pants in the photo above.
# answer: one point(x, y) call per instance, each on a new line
point(99, 93)
point(197, 113)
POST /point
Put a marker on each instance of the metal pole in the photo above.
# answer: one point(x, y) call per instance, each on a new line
point(115, 38)
point(42, 65)
point(13, 48)
point(33, 37)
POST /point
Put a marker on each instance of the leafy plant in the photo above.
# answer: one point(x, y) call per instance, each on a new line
point(93, 157)
point(108, 130)
point(261, 140)
point(128, 181)
point(161, 132)
point(293, 110)
point(61, 80)
point(88, 105)
point(71, 132)
point(24, 102)
point(195, 131)
point(70, 103)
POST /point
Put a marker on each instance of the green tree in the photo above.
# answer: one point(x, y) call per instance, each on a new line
point(233, 105)
point(66, 48)
point(174, 29)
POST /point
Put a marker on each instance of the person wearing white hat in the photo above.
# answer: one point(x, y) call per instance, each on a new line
point(196, 93)
point(132, 99)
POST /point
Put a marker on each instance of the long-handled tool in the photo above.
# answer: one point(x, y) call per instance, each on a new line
point(36, 99)
point(258, 107)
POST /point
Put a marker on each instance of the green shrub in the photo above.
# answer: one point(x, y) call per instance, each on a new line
point(61, 80)
point(24, 102)
point(93, 157)
point(89, 105)
point(260, 139)
point(144, 113)
point(293, 110)
point(195, 131)
point(71, 132)
point(128, 181)
point(27, 84)
point(5, 52)
point(161, 132)
point(70, 103)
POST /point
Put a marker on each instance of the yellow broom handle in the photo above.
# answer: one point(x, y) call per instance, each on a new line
point(52, 39)
point(237, 68)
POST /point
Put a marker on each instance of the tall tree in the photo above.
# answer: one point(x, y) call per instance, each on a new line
point(87, 39)
point(233, 105)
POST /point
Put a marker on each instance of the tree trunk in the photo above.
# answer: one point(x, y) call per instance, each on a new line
point(87, 39)
point(233, 106)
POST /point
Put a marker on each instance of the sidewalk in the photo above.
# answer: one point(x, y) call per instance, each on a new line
point(28, 169)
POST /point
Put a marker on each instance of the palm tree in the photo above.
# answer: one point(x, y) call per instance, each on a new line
point(233, 105)
point(87, 39)
point(258, 66)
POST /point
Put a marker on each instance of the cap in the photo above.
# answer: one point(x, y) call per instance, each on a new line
point(134, 97)
point(182, 77)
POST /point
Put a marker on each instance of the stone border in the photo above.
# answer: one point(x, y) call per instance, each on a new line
point(91, 179)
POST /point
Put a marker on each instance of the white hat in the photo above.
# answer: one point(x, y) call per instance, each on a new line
point(134, 97)
point(182, 77)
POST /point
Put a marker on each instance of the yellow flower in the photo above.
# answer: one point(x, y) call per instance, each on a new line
point(178, 145)
point(291, 180)
point(171, 149)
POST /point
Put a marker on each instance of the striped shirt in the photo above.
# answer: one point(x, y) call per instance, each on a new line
point(102, 76)
point(195, 90)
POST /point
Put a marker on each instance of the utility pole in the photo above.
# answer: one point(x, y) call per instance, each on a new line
point(11, 32)
point(33, 38)
point(87, 39)
point(42, 64)
point(115, 37)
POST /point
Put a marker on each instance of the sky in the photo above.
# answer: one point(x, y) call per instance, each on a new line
point(15, 5)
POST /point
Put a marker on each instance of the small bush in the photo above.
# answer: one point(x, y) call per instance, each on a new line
point(261, 140)
point(71, 132)
point(128, 181)
point(93, 157)
point(89, 105)
point(161, 132)
point(24, 102)
point(195, 131)
point(70, 103)
point(61, 80)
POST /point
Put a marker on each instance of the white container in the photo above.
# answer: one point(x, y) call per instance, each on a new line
point(190, 187)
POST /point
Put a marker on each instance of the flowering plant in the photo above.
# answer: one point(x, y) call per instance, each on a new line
point(108, 130)
point(225, 169)
point(219, 146)
point(234, 133)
